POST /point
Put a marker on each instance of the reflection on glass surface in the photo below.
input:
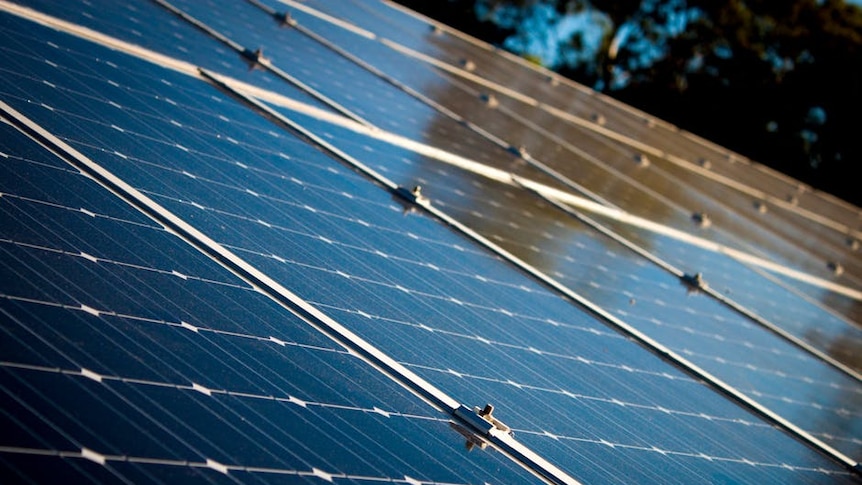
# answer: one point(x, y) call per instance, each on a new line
point(663, 192)
point(701, 329)
point(578, 393)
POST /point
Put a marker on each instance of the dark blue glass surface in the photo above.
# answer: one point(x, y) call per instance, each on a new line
point(764, 293)
point(747, 203)
point(106, 346)
point(388, 22)
point(354, 87)
point(146, 24)
point(592, 402)
point(788, 380)
point(665, 194)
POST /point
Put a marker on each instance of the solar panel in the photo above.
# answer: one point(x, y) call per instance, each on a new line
point(609, 164)
point(143, 360)
point(311, 321)
point(711, 334)
point(147, 25)
point(756, 289)
point(829, 246)
point(591, 152)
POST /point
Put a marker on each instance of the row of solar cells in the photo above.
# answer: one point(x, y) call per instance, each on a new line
point(443, 307)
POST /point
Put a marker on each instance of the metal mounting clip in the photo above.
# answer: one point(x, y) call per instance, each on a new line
point(693, 282)
point(487, 413)
point(284, 19)
point(413, 195)
point(519, 151)
point(479, 425)
point(255, 57)
point(408, 199)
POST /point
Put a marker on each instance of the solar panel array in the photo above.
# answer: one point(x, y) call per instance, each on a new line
point(308, 242)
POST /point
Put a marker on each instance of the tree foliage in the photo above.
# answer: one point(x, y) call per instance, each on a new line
point(778, 81)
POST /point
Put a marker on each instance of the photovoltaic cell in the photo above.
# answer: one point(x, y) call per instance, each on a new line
point(773, 302)
point(145, 355)
point(145, 24)
point(739, 219)
point(800, 316)
point(543, 87)
point(582, 396)
point(698, 327)
point(373, 98)
point(745, 218)
point(300, 233)
point(388, 22)
point(630, 185)
point(615, 171)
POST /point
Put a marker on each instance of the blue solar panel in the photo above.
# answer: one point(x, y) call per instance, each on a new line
point(803, 317)
point(602, 156)
point(779, 231)
point(150, 26)
point(123, 341)
point(125, 320)
point(701, 328)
